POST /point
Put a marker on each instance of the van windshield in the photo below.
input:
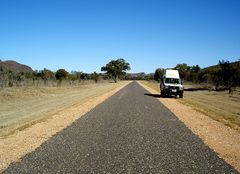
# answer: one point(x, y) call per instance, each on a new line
point(172, 80)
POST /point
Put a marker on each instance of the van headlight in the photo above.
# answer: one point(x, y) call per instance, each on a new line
point(181, 88)
point(166, 87)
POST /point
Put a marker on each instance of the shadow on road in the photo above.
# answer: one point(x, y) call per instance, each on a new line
point(154, 95)
point(159, 96)
point(196, 89)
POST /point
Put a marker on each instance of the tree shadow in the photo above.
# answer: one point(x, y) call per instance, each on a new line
point(197, 89)
point(159, 96)
point(154, 95)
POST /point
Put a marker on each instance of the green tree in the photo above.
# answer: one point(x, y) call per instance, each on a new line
point(116, 68)
point(46, 75)
point(194, 73)
point(20, 77)
point(75, 76)
point(61, 74)
point(149, 76)
point(183, 70)
point(228, 74)
point(35, 76)
point(85, 76)
point(236, 75)
point(105, 76)
point(158, 74)
point(95, 76)
point(195, 69)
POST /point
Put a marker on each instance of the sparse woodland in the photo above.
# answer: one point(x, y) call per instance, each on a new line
point(223, 76)
point(47, 77)
point(15, 74)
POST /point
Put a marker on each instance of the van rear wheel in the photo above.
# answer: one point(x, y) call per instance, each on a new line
point(181, 95)
point(162, 94)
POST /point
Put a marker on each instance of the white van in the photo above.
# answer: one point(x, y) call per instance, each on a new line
point(171, 83)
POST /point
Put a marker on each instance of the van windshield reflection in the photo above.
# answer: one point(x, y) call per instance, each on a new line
point(172, 81)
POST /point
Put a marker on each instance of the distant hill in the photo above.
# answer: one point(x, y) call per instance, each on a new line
point(133, 75)
point(236, 63)
point(14, 66)
point(139, 76)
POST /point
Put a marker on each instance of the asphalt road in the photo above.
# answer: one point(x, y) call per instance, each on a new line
point(128, 133)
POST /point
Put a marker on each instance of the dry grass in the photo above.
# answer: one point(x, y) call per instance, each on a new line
point(220, 106)
point(23, 107)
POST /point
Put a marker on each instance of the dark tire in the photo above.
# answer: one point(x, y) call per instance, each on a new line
point(163, 94)
point(181, 95)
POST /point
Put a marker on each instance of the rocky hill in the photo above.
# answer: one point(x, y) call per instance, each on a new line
point(14, 66)
point(134, 75)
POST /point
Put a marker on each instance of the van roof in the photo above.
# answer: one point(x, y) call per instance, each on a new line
point(170, 73)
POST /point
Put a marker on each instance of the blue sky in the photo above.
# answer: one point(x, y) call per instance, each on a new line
point(85, 35)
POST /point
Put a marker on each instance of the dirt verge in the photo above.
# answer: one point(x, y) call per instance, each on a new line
point(14, 147)
point(219, 137)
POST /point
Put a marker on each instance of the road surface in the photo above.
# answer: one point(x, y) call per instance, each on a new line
point(130, 132)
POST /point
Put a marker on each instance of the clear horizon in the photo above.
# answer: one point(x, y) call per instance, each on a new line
point(85, 35)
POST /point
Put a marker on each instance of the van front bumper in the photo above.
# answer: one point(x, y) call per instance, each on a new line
point(172, 91)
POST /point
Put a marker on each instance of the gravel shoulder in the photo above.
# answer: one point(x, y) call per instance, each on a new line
point(13, 147)
point(224, 140)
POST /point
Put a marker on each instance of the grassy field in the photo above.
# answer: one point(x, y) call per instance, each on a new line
point(23, 107)
point(220, 106)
